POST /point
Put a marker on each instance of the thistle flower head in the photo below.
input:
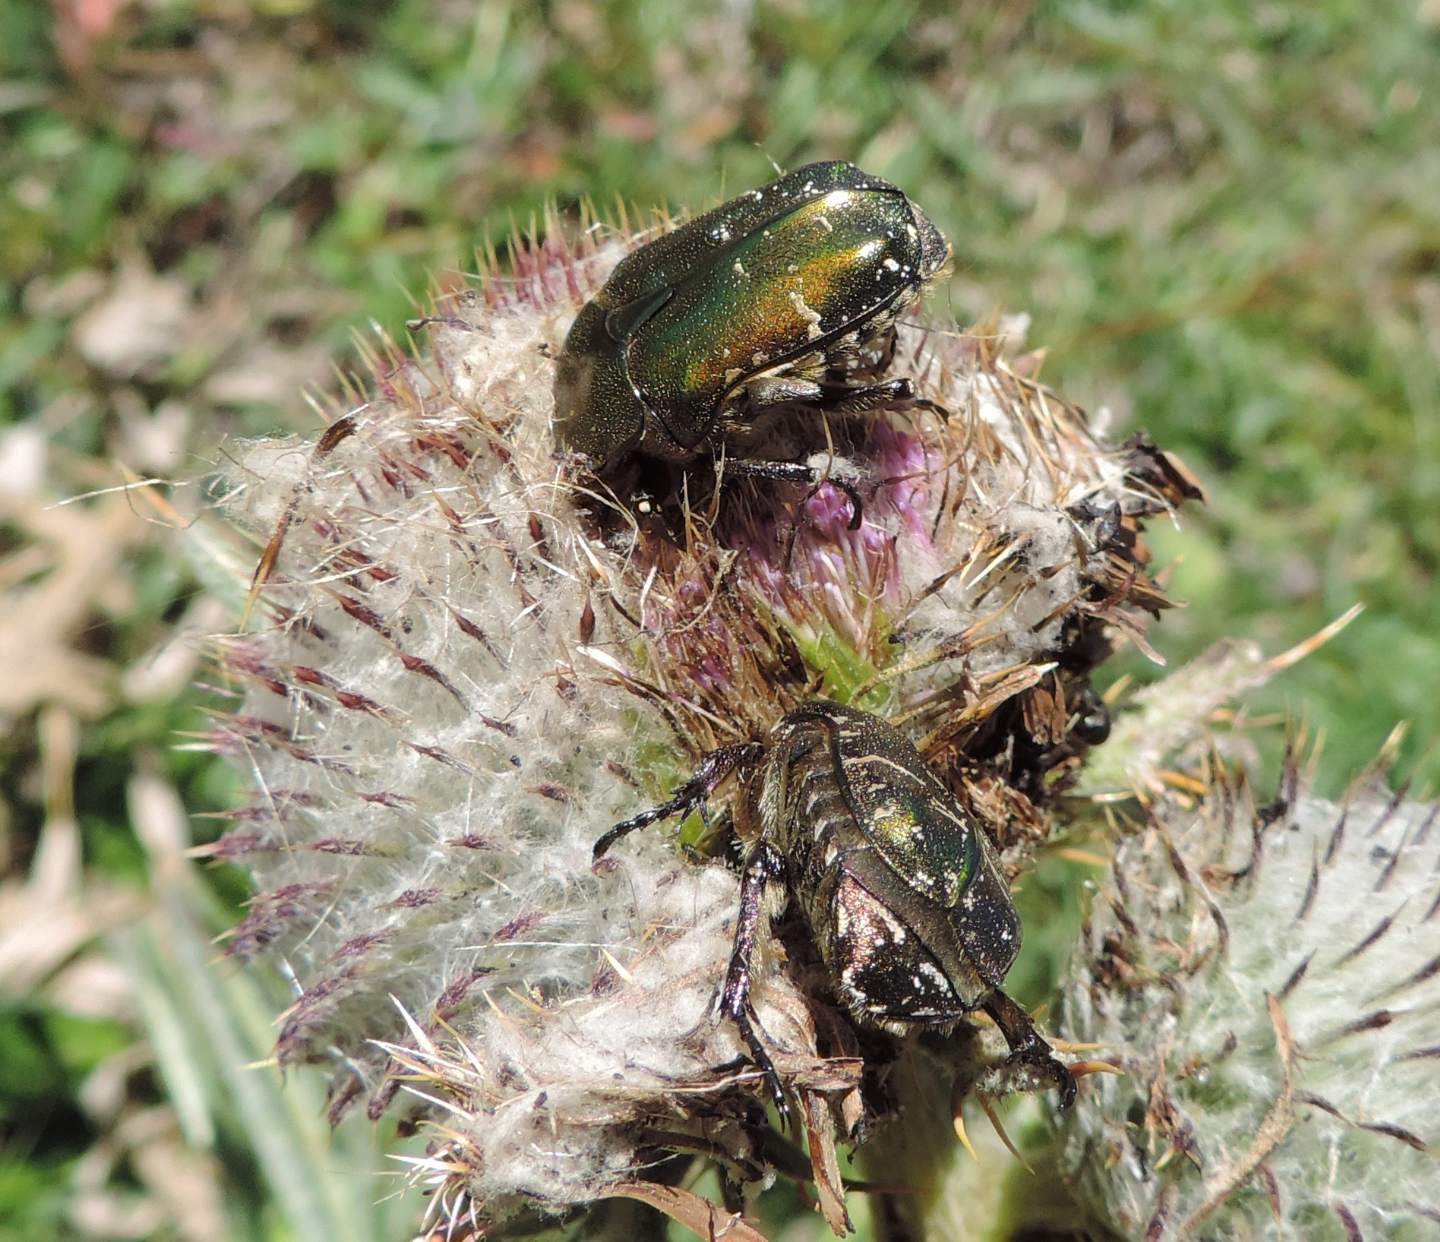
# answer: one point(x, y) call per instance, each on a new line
point(473, 661)
point(1268, 978)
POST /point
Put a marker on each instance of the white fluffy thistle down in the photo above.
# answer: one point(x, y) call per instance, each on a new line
point(469, 663)
point(1269, 979)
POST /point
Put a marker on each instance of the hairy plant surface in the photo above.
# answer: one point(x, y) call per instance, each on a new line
point(1267, 979)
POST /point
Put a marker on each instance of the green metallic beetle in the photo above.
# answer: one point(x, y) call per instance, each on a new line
point(788, 293)
point(901, 889)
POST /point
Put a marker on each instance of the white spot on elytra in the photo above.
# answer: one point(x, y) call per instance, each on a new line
point(807, 314)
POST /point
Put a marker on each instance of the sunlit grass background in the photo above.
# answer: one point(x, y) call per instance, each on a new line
point(1223, 219)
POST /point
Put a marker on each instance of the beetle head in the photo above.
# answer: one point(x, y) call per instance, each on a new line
point(934, 247)
point(597, 414)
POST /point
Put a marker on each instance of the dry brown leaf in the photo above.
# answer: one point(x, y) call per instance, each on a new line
point(70, 565)
point(137, 324)
point(830, 1189)
point(700, 1216)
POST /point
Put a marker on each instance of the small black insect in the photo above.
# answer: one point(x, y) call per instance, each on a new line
point(901, 889)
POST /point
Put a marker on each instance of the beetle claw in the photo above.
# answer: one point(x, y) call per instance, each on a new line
point(760, 1058)
point(1028, 1047)
point(1028, 1069)
point(857, 510)
point(1047, 1068)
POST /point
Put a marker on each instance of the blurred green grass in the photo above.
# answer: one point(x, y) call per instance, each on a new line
point(1225, 223)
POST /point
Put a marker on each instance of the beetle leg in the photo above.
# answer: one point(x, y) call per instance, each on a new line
point(796, 472)
point(852, 399)
point(861, 399)
point(692, 795)
point(762, 866)
point(1027, 1045)
point(782, 390)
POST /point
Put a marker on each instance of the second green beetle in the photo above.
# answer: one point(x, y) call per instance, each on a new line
point(787, 294)
point(901, 888)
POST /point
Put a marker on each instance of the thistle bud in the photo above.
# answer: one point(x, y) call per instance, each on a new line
point(1267, 977)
